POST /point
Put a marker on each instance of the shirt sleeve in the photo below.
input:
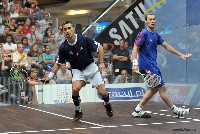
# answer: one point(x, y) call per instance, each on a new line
point(160, 40)
point(140, 39)
point(92, 44)
point(61, 55)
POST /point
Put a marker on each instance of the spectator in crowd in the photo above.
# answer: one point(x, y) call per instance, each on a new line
point(34, 59)
point(6, 5)
point(34, 37)
point(108, 67)
point(47, 33)
point(51, 25)
point(27, 27)
point(2, 14)
point(33, 18)
point(6, 32)
point(1, 51)
point(40, 14)
point(53, 44)
point(9, 47)
point(45, 22)
point(13, 13)
point(107, 53)
point(2, 27)
point(123, 78)
point(64, 75)
point(14, 3)
point(48, 58)
point(13, 26)
point(25, 43)
point(6, 21)
point(19, 34)
point(103, 73)
point(120, 57)
point(33, 80)
point(59, 35)
point(33, 8)
point(129, 64)
point(20, 21)
point(38, 28)
point(6, 65)
point(20, 57)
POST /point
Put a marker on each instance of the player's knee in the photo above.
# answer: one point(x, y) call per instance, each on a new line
point(76, 88)
point(162, 89)
point(103, 93)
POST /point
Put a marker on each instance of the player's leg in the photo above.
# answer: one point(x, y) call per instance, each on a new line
point(179, 111)
point(76, 87)
point(105, 96)
point(78, 81)
point(98, 82)
point(138, 111)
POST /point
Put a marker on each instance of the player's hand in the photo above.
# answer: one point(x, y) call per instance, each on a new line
point(135, 68)
point(185, 56)
point(45, 80)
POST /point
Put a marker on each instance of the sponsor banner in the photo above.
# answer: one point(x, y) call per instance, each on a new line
point(54, 94)
point(129, 23)
point(62, 93)
point(179, 93)
point(125, 92)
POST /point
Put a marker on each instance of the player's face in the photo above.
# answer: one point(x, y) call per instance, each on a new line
point(69, 30)
point(151, 21)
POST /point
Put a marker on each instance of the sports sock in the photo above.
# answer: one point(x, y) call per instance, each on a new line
point(174, 108)
point(139, 107)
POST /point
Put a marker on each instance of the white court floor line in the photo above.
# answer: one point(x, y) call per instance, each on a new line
point(99, 126)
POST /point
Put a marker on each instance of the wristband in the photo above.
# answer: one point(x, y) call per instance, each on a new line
point(101, 62)
point(51, 75)
point(135, 62)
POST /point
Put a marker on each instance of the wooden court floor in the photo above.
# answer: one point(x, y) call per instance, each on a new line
point(57, 119)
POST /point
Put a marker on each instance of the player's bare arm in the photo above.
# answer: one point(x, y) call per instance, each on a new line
point(55, 68)
point(173, 50)
point(134, 58)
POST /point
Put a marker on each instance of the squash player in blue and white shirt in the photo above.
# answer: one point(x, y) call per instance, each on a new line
point(77, 50)
point(145, 48)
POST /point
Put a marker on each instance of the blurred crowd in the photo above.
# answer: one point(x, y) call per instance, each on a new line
point(29, 42)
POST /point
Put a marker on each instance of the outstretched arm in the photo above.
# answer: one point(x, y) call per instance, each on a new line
point(173, 50)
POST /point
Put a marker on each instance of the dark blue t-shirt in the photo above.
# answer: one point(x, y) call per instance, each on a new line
point(79, 53)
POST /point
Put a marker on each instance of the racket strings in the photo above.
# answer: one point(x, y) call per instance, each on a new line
point(152, 80)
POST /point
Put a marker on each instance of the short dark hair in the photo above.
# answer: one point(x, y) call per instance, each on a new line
point(149, 14)
point(67, 22)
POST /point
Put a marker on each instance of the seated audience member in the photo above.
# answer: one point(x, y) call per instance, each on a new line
point(6, 32)
point(1, 51)
point(25, 43)
point(19, 34)
point(34, 60)
point(20, 57)
point(103, 73)
point(6, 65)
point(48, 58)
point(108, 67)
point(64, 75)
point(123, 78)
point(33, 80)
point(9, 47)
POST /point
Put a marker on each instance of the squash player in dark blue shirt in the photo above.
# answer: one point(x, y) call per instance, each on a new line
point(144, 58)
point(77, 50)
